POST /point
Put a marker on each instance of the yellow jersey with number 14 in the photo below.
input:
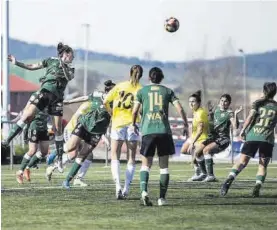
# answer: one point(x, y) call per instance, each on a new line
point(122, 96)
point(200, 116)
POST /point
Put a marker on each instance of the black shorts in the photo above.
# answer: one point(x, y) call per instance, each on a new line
point(35, 136)
point(44, 99)
point(91, 139)
point(250, 148)
point(163, 143)
point(222, 143)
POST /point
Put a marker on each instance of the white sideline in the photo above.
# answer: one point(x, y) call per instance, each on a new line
point(112, 184)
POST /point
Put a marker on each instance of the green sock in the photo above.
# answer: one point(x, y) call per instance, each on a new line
point(235, 172)
point(209, 166)
point(59, 148)
point(25, 161)
point(13, 133)
point(202, 166)
point(260, 178)
point(144, 177)
point(164, 180)
point(34, 160)
point(73, 171)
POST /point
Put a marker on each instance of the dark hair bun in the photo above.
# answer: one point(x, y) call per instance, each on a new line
point(108, 83)
point(198, 93)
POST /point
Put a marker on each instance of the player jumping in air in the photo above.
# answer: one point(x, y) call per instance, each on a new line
point(258, 132)
point(90, 128)
point(90, 103)
point(122, 97)
point(50, 95)
point(154, 99)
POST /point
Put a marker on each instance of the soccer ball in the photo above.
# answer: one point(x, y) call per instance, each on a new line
point(171, 24)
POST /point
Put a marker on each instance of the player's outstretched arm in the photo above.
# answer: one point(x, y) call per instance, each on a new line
point(76, 100)
point(182, 113)
point(36, 66)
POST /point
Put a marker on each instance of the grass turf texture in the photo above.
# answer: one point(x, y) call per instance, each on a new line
point(191, 205)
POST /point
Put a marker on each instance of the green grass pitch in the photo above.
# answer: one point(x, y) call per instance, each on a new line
point(191, 205)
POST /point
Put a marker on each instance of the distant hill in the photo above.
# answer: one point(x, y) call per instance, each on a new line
point(260, 66)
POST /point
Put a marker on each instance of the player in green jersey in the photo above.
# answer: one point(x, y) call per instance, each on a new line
point(258, 132)
point(154, 99)
point(50, 95)
point(38, 138)
point(89, 102)
point(219, 140)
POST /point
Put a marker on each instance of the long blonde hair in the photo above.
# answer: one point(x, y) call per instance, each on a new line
point(136, 72)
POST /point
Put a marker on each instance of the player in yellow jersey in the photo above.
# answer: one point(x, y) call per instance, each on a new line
point(84, 108)
point(122, 97)
point(200, 124)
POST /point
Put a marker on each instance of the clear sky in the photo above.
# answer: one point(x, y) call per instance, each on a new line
point(134, 27)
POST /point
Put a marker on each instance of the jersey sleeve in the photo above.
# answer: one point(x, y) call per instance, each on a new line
point(172, 97)
point(138, 97)
point(45, 62)
point(111, 95)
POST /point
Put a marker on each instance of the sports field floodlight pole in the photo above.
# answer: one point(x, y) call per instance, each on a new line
point(5, 74)
point(86, 27)
point(244, 81)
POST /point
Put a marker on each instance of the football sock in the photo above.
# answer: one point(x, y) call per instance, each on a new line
point(83, 170)
point(59, 146)
point(25, 161)
point(236, 171)
point(74, 169)
point(144, 177)
point(260, 179)
point(209, 164)
point(34, 160)
point(202, 165)
point(115, 168)
point(129, 174)
point(164, 180)
point(15, 130)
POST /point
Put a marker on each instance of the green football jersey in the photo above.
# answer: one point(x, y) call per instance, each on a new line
point(97, 120)
point(57, 76)
point(39, 123)
point(222, 122)
point(155, 101)
point(264, 122)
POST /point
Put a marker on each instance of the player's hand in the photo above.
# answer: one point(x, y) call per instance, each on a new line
point(242, 135)
point(12, 59)
point(238, 110)
point(186, 131)
point(136, 129)
point(191, 148)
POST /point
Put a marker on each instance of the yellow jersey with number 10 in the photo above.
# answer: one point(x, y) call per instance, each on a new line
point(200, 116)
point(122, 96)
